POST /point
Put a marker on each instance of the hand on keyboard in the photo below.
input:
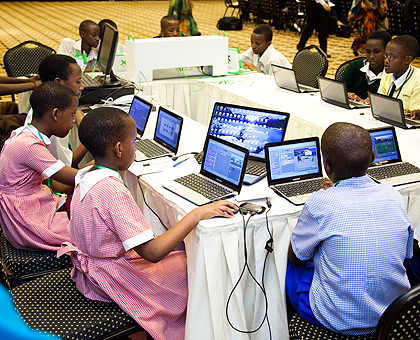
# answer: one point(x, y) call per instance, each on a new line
point(413, 114)
point(327, 184)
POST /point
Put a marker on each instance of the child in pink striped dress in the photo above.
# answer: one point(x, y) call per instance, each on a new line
point(114, 253)
point(28, 208)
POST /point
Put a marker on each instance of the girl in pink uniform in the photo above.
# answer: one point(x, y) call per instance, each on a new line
point(114, 253)
point(28, 208)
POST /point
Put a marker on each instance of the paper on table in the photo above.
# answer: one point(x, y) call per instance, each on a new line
point(151, 166)
point(259, 193)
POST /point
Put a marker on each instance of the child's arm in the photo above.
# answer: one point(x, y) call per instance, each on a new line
point(251, 66)
point(65, 176)
point(10, 85)
point(159, 247)
point(78, 154)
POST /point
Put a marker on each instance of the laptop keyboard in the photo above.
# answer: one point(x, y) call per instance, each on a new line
point(88, 81)
point(150, 148)
point(299, 188)
point(393, 170)
point(412, 122)
point(208, 189)
point(353, 103)
point(307, 88)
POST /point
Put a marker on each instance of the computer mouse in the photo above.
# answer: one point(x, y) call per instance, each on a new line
point(127, 99)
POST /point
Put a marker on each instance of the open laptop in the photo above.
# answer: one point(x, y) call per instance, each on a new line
point(166, 138)
point(140, 111)
point(294, 168)
point(250, 128)
point(391, 111)
point(335, 92)
point(388, 166)
point(221, 174)
point(286, 79)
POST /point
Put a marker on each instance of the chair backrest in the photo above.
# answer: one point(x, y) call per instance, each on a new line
point(395, 18)
point(24, 58)
point(401, 319)
point(343, 66)
point(310, 63)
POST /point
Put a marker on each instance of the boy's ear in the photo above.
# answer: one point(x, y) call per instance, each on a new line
point(409, 59)
point(82, 34)
point(55, 114)
point(117, 149)
point(327, 166)
point(58, 80)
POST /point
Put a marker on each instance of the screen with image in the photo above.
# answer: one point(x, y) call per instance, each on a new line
point(383, 143)
point(107, 49)
point(248, 127)
point(292, 160)
point(224, 161)
point(140, 111)
point(167, 128)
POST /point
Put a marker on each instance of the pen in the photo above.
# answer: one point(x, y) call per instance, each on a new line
point(180, 162)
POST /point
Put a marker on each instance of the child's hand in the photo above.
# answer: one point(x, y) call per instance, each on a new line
point(250, 66)
point(327, 7)
point(413, 114)
point(217, 209)
point(327, 184)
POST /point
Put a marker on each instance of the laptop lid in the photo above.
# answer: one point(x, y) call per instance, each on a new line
point(293, 160)
point(387, 109)
point(385, 145)
point(333, 92)
point(168, 129)
point(140, 111)
point(224, 162)
point(248, 127)
point(285, 78)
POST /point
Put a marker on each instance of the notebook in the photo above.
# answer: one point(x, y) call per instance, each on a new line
point(166, 138)
point(221, 174)
point(388, 166)
point(286, 79)
point(294, 168)
point(335, 92)
point(250, 128)
point(391, 111)
point(140, 112)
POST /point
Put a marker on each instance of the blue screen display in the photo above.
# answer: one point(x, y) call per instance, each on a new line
point(167, 128)
point(383, 143)
point(139, 111)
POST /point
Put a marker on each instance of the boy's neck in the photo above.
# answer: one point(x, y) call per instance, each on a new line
point(42, 127)
point(85, 47)
point(106, 163)
point(396, 76)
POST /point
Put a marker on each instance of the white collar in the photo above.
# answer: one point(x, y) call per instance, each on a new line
point(401, 80)
point(93, 54)
point(372, 76)
point(87, 179)
point(265, 56)
point(32, 129)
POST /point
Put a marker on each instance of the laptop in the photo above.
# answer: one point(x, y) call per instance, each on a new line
point(335, 92)
point(286, 79)
point(221, 174)
point(391, 111)
point(250, 128)
point(294, 168)
point(140, 111)
point(165, 141)
point(388, 167)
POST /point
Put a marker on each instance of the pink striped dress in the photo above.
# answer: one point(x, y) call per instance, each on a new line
point(27, 207)
point(105, 225)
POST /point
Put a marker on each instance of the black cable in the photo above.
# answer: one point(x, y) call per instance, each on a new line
point(144, 199)
point(174, 158)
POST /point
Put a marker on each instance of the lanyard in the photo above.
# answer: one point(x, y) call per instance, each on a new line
point(104, 167)
point(336, 183)
point(405, 80)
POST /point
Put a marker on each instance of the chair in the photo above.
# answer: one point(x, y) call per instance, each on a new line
point(396, 18)
point(53, 304)
point(24, 59)
point(343, 66)
point(23, 265)
point(310, 63)
point(296, 13)
point(233, 5)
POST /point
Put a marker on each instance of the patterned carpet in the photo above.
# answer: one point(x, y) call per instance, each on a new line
point(50, 22)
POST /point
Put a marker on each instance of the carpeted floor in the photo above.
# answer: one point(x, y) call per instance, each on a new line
point(50, 22)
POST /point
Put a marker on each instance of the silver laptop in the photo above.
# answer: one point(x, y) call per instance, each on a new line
point(140, 111)
point(286, 79)
point(335, 92)
point(250, 128)
point(221, 174)
point(294, 168)
point(165, 141)
point(388, 167)
point(391, 111)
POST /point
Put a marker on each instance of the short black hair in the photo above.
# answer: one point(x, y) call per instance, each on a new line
point(347, 148)
point(103, 127)
point(409, 44)
point(166, 19)
point(266, 30)
point(102, 23)
point(48, 96)
point(383, 36)
point(55, 66)
point(85, 24)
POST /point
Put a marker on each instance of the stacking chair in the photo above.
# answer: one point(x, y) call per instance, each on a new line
point(310, 63)
point(53, 304)
point(396, 18)
point(23, 265)
point(233, 5)
point(343, 66)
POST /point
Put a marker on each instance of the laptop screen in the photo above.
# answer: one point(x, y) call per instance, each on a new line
point(285, 77)
point(248, 127)
point(224, 161)
point(384, 144)
point(168, 128)
point(332, 90)
point(387, 108)
point(140, 111)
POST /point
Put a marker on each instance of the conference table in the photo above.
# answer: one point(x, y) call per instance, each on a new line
point(216, 247)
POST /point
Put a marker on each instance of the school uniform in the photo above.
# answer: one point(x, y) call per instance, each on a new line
point(28, 213)
point(263, 63)
point(72, 48)
point(106, 225)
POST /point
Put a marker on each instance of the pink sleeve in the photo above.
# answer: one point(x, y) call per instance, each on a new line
point(39, 158)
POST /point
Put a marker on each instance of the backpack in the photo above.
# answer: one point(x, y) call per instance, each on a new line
point(229, 24)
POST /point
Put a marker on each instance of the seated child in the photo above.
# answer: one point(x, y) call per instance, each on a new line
point(120, 47)
point(401, 79)
point(28, 208)
point(262, 54)
point(169, 27)
point(363, 75)
point(90, 33)
point(114, 253)
point(64, 70)
point(347, 251)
